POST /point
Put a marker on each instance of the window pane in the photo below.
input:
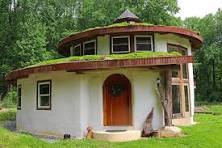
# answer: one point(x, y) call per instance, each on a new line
point(173, 48)
point(19, 102)
point(19, 97)
point(185, 71)
point(119, 41)
point(143, 40)
point(175, 73)
point(143, 47)
point(89, 48)
point(143, 44)
point(44, 100)
point(176, 98)
point(186, 98)
point(120, 44)
point(44, 88)
point(119, 48)
point(77, 51)
point(19, 91)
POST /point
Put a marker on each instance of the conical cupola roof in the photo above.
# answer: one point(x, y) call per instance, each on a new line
point(127, 16)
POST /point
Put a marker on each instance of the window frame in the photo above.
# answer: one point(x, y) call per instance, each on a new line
point(116, 37)
point(135, 42)
point(90, 41)
point(19, 87)
point(73, 48)
point(39, 83)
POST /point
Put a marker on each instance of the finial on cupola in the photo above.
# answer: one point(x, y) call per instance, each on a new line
point(127, 16)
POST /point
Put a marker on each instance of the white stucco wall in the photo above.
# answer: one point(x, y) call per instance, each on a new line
point(77, 102)
point(64, 117)
point(161, 41)
point(103, 45)
point(77, 99)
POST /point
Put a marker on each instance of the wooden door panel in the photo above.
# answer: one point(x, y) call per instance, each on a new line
point(117, 100)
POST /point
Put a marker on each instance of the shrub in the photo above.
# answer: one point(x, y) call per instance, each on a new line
point(8, 115)
point(10, 99)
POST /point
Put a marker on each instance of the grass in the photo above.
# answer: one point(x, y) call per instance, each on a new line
point(134, 55)
point(121, 24)
point(207, 133)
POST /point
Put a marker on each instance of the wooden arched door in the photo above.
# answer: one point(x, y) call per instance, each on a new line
point(117, 105)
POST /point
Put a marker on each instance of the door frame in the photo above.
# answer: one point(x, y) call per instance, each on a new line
point(105, 119)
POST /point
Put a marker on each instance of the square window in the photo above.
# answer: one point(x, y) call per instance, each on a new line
point(44, 95)
point(75, 50)
point(143, 43)
point(89, 48)
point(120, 44)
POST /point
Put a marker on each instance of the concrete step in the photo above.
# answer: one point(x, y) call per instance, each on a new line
point(117, 135)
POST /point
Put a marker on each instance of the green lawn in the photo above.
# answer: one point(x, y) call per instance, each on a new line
point(207, 134)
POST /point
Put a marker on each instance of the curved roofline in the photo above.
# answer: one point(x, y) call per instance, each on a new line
point(79, 66)
point(195, 39)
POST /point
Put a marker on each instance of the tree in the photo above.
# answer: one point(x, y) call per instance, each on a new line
point(209, 68)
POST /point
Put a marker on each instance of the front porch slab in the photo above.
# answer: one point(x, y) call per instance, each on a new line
point(117, 136)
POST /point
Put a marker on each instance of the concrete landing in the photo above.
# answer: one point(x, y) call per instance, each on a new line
point(117, 136)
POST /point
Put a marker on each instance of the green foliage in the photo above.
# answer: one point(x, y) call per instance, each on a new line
point(103, 13)
point(8, 115)
point(207, 133)
point(10, 99)
point(134, 55)
point(208, 71)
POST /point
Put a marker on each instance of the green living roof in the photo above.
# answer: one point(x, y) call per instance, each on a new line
point(134, 55)
point(121, 24)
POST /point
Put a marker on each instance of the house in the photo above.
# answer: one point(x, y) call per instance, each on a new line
point(111, 78)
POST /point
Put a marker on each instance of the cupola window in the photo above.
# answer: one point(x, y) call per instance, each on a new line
point(143, 43)
point(120, 44)
point(75, 50)
point(89, 47)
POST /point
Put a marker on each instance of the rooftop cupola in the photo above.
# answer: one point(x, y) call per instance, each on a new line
point(127, 16)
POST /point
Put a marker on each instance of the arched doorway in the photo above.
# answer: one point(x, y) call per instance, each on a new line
point(117, 105)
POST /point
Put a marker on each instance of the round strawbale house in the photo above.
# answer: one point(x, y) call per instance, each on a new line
point(111, 79)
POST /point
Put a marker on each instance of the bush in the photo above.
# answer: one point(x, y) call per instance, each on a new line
point(8, 115)
point(10, 99)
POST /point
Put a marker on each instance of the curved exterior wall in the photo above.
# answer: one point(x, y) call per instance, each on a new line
point(77, 102)
point(77, 99)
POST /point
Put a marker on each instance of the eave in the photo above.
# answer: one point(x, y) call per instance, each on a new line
point(98, 65)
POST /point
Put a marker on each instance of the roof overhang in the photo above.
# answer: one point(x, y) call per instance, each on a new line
point(195, 39)
point(78, 66)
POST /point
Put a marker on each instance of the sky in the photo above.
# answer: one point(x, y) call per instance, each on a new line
point(198, 8)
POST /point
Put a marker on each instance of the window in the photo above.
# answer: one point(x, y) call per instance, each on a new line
point(143, 43)
point(89, 48)
point(186, 93)
point(19, 97)
point(176, 99)
point(185, 74)
point(120, 44)
point(177, 48)
point(183, 51)
point(44, 95)
point(76, 50)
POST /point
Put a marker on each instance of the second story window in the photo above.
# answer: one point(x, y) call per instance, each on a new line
point(89, 47)
point(120, 44)
point(143, 43)
point(75, 50)
point(183, 51)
